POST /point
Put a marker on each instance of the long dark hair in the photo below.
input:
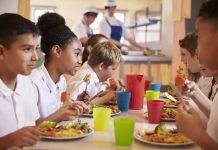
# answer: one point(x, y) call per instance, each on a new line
point(92, 41)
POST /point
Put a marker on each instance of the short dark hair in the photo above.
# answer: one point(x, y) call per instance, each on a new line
point(209, 11)
point(54, 32)
point(92, 41)
point(189, 42)
point(13, 25)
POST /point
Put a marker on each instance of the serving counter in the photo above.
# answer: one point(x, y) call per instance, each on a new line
point(155, 68)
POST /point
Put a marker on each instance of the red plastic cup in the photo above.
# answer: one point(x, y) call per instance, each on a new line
point(155, 110)
point(147, 85)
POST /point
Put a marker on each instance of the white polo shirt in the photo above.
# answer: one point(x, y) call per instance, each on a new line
point(49, 93)
point(81, 30)
point(18, 108)
point(212, 126)
point(76, 85)
point(105, 29)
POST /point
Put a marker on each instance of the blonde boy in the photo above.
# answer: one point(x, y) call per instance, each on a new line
point(103, 62)
point(18, 105)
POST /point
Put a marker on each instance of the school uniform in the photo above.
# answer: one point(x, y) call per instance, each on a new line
point(113, 28)
point(82, 30)
point(77, 85)
point(204, 84)
point(18, 108)
point(212, 125)
point(49, 93)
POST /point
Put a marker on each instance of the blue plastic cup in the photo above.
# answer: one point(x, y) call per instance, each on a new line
point(123, 99)
point(155, 86)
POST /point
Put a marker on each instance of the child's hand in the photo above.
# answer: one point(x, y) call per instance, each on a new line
point(25, 136)
point(84, 97)
point(191, 88)
point(110, 96)
point(191, 118)
point(69, 110)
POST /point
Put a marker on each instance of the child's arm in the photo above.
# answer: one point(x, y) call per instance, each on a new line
point(68, 110)
point(199, 98)
point(25, 136)
point(107, 97)
point(193, 127)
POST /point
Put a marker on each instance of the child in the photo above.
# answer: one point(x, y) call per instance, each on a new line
point(18, 104)
point(103, 61)
point(91, 42)
point(189, 50)
point(207, 31)
point(62, 55)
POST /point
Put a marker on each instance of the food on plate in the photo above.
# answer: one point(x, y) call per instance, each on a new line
point(169, 102)
point(87, 77)
point(162, 134)
point(180, 77)
point(47, 124)
point(73, 129)
point(168, 113)
point(65, 96)
point(113, 108)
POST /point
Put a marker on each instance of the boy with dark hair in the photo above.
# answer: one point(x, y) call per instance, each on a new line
point(207, 31)
point(18, 104)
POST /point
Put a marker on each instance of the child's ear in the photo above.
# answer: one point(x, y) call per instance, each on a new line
point(56, 51)
point(2, 52)
point(101, 66)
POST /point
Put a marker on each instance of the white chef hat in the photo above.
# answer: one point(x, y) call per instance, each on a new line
point(90, 9)
point(110, 3)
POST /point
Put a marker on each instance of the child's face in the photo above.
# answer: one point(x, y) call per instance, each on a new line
point(20, 58)
point(183, 53)
point(71, 58)
point(108, 72)
point(207, 43)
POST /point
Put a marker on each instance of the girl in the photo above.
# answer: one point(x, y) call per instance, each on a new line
point(62, 55)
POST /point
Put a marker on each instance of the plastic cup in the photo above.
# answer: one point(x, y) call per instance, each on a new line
point(101, 117)
point(123, 131)
point(155, 86)
point(147, 85)
point(152, 95)
point(123, 99)
point(155, 109)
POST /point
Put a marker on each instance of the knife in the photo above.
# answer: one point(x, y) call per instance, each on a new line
point(170, 97)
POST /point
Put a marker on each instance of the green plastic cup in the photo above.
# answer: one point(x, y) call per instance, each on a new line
point(123, 130)
point(152, 95)
point(101, 118)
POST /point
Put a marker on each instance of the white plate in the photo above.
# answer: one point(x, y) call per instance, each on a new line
point(162, 119)
point(67, 138)
point(138, 137)
point(91, 115)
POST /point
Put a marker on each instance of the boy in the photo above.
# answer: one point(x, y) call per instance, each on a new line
point(207, 31)
point(18, 106)
point(103, 62)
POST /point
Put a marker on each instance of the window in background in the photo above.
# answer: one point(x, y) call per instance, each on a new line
point(150, 33)
point(37, 11)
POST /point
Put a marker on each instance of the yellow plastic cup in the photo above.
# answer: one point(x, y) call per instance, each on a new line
point(152, 95)
point(101, 118)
